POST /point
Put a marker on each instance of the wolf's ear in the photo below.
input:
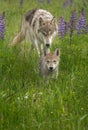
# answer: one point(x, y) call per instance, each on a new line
point(3, 14)
point(40, 20)
point(57, 52)
point(53, 20)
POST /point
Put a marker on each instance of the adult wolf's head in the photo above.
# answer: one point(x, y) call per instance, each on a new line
point(47, 30)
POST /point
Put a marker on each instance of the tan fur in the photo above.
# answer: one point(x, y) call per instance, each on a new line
point(48, 64)
point(40, 27)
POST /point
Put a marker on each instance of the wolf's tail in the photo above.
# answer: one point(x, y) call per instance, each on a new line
point(21, 35)
point(18, 38)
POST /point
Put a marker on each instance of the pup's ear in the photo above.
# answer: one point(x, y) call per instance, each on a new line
point(57, 52)
point(40, 20)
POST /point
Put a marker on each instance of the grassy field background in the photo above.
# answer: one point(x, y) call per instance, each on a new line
point(27, 102)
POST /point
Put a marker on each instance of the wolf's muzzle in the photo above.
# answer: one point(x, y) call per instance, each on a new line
point(47, 45)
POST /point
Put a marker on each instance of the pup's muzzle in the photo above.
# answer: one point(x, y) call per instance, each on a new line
point(51, 68)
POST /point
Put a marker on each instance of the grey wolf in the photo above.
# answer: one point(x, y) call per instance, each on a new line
point(48, 63)
point(40, 27)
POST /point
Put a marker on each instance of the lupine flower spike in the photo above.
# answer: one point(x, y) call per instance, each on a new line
point(73, 24)
point(2, 25)
point(71, 2)
point(61, 27)
point(82, 23)
point(65, 4)
point(87, 28)
point(21, 2)
point(74, 19)
point(48, 1)
point(40, 1)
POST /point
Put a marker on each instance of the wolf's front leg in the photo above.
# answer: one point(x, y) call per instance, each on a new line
point(37, 47)
point(41, 48)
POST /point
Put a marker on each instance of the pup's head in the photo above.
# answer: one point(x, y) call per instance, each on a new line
point(52, 59)
point(47, 29)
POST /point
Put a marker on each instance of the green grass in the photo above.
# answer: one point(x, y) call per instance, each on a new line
point(27, 102)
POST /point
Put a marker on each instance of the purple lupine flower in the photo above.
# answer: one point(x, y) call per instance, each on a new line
point(82, 23)
point(71, 2)
point(21, 2)
point(62, 27)
point(65, 4)
point(87, 28)
point(48, 1)
point(73, 20)
point(83, 12)
point(66, 27)
point(2, 25)
point(72, 25)
point(40, 1)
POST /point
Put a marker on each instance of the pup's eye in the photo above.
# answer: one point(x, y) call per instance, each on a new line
point(43, 23)
point(55, 61)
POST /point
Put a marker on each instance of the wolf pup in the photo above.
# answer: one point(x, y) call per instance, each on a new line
point(48, 64)
point(40, 27)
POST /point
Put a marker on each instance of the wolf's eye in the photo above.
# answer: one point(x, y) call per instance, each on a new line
point(50, 22)
point(48, 61)
point(44, 33)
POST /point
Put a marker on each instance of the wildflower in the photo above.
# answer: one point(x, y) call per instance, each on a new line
point(61, 27)
point(73, 23)
point(87, 28)
point(82, 23)
point(40, 1)
point(18, 98)
point(73, 19)
point(48, 1)
point(51, 112)
point(65, 4)
point(2, 25)
point(26, 96)
point(71, 2)
point(21, 2)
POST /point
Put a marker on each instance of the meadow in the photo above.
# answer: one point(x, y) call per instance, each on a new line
point(27, 101)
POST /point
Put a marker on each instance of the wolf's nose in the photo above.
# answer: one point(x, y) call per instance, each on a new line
point(51, 68)
point(47, 45)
